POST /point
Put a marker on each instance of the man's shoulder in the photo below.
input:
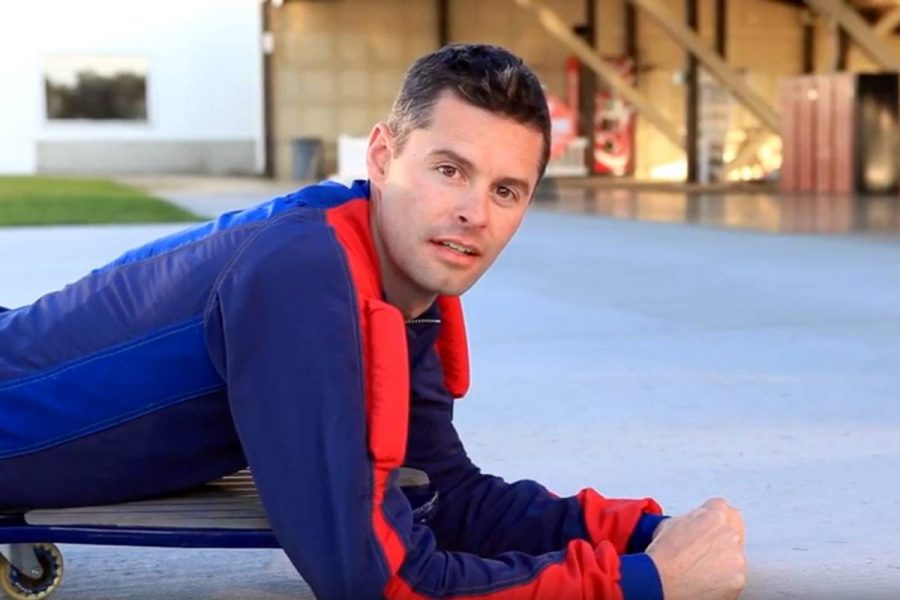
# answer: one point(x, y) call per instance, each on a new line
point(232, 229)
point(322, 238)
point(299, 235)
point(302, 212)
point(300, 241)
point(327, 194)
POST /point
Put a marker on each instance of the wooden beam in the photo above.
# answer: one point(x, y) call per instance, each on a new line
point(717, 67)
point(809, 41)
point(590, 21)
point(443, 22)
point(268, 91)
point(888, 23)
point(631, 33)
point(839, 47)
point(558, 29)
point(870, 43)
point(722, 27)
point(692, 98)
point(587, 92)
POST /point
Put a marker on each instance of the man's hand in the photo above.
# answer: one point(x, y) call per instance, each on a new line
point(700, 555)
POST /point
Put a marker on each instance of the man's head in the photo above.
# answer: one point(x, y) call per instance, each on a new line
point(487, 77)
point(453, 170)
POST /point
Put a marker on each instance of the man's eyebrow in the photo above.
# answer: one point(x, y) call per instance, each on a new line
point(514, 182)
point(468, 165)
point(457, 158)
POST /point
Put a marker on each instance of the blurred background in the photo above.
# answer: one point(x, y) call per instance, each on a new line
point(705, 297)
point(748, 97)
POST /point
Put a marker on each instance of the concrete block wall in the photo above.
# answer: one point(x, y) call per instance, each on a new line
point(337, 65)
point(766, 42)
point(503, 23)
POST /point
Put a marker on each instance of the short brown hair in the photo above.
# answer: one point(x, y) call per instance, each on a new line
point(485, 76)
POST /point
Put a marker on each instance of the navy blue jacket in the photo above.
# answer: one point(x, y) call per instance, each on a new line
point(260, 338)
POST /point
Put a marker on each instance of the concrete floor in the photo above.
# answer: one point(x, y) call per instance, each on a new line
point(639, 358)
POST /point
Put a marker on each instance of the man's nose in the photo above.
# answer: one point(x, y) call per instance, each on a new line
point(474, 209)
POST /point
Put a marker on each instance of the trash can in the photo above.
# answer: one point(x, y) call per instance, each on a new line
point(307, 155)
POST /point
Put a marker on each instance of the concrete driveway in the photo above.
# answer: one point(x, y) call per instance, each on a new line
point(640, 359)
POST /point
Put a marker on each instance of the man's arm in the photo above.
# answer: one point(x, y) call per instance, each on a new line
point(699, 555)
point(322, 416)
point(484, 514)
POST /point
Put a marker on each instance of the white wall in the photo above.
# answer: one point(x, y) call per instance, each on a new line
point(19, 98)
point(204, 82)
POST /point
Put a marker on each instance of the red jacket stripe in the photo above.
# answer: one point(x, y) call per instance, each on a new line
point(612, 520)
point(385, 363)
point(452, 346)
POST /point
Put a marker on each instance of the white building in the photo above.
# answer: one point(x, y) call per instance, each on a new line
point(180, 83)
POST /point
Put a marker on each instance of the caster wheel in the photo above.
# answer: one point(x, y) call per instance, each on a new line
point(19, 586)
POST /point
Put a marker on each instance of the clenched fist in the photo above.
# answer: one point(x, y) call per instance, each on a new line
point(700, 555)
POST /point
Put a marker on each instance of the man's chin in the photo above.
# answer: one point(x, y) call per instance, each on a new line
point(446, 283)
point(457, 288)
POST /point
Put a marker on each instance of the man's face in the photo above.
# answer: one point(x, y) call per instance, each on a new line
point(448, 203)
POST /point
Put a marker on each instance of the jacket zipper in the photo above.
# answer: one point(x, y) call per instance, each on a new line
point(423, 322)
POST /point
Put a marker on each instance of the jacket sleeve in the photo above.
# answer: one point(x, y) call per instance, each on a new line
point(315, 381)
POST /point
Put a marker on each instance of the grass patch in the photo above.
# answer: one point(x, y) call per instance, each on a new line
point(70, 201)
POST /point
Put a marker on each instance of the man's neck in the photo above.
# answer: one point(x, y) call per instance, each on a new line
point(398, 290)
point(410, 308)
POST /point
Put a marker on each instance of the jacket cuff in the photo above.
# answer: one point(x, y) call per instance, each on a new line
point(642, 534)
point(639, 578)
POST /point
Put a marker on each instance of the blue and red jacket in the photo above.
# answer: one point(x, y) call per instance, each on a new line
point(262, 338)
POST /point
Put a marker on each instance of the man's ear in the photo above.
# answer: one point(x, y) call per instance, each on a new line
point(378, 154)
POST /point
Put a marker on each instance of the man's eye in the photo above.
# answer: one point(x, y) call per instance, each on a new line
point(447, 170)
point(506, 193)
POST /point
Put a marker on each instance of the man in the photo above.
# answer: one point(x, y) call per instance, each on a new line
point(319, 338)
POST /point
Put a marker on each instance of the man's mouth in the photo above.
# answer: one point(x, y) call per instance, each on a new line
point(456, 246)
